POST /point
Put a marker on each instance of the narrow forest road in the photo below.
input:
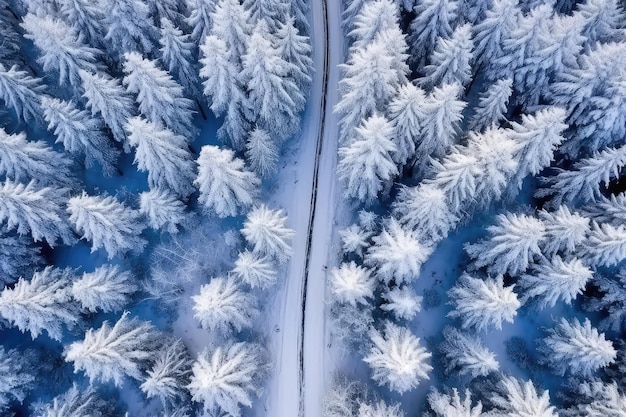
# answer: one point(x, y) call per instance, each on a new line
point(306, 189)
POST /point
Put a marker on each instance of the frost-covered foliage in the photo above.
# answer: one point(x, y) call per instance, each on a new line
point(406, 113)
point(42, 303)
point(163, 209)
point(396, 254)
point(444, 405)
point(492, 107)
point(262, 152)
point(223, 306)
point(351, 284)
point(380, 409)
point(112, 353)
point(612, 300)
point(129, 27)
point(16, 378)
point(107, 223)
point(465, 354)
point(402, 302)
point(565, 231)
point(450, 61)
point(178, 54)
point(512, 245)
point(267, 232)
point(521, 399)
point(491, 32)
point(373, 19)
point(77, 403)
point(397, 359)
point(483, 303)
point(355, 239)
point(226, 187)
point(168, 376)
point(18, 256)
point(295, 48)
point(605, 245)
point(225, 378)
point(21, 92)
point(434, 19)
point(107, 288)
point(578, 349)
point(342, 399)
point(605, 399)
point(85, 17)
point(610, 209)
point(255, 270)
point(350, 324)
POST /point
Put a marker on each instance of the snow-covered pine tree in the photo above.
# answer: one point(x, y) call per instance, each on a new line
point(299, 10)
point(107, 289)
point(80, 134)
point(163, 209)
point(491, 109)
point(350, 10)
point(61, 50)
point(160, 98)
point(465, 354)
point(343, 398)
point(396, 254)
point(168, 377)
point(28, 208)
point(178, 53)
point(267, 232)
point(18, 256)
point(577, 348)
point(21, 92)
point(405, 113)
point(350, 324)
point(129, 28)
point(164, 154)
point(565, 230)
point(112, 353)
point(107, 98)
point(450, 60)
point(554, 280)
point(355, 239)
point(520, 399)
point(586, 180)
point(223, 306)
point(444, 405)
point(199, 18)
point(22, 160)
point(397, 359)
point(365, 166)
point(77, 403)
point(351, 284)
point(255, 270)
point(171, 10)
point(227, 377)
point(605, 245)
point(226, 187)
point(107, 223)
point(513, 243)
point(443, 113)
point(17, 379)
point(85, 17)
point(271, 11)
point(262, 152)
point(9, 35)
point(373, 19)
point(41, 303)
point(611, 300)
point(434, 19)
point(296, 49)
point(604, 20)
point(380, 409)
point(483, 303)
point(605, 399)
point(402, 302)
point(231, 22)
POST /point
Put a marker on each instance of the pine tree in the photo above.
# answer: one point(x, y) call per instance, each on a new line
point(605, 245)
point(85, 17)
point(199, 18)
point(520, 399)
point(577, 348)
point(16, 379)
point(160, 98)
point(267, 232)
point(226, 188)
point(483, 303)
point(107, 223)
point(262, 153)
point(163, 210)
point(397, 359)
point(450, 61)
point(374, 18)
point(107, 289)
point(79, 133)
point(396, 254)
point(406, 112)
point(169, 375)
point(112, 353)
point(178, 55)
point(223, 306)
point(465, 354)
point(444, 405)
point(107, 98)
point(164, 154)
point(434, 19)
point(255, 270)
point(355, 239)
point(77, 403)
point(365, 167)
point(565, 231)
point(61, 50)
point(165, 9)
point(343, 398)
point(380, 409)
point(295, 49)
point(22, 160)
point(607, 210)
point(43, 303)
point(603, 20)
point(28, 208)
point(443, 113)
point(223, 82)
point(514, 241)
point(226, 377)
point(18, 256)
point(21, 92)
point(606, 399)
point(492, 107)
point(351, 284)
point(231, 22)
point(611, 301)
point(272, 11)
point(350, 10)
point(129, 27)
point(9, 35)
point(402, 302)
